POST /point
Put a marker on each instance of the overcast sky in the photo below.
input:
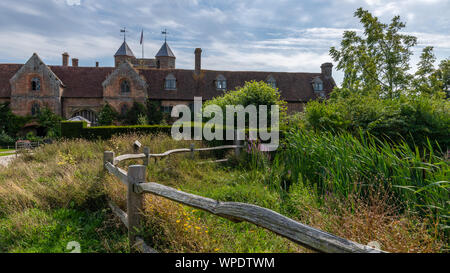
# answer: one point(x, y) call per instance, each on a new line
point(262, 35)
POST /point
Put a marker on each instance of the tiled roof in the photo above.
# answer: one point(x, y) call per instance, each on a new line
point(7, 71)
point(86, 82)
point(165, 51)
point(82, 82)
point(292, 86)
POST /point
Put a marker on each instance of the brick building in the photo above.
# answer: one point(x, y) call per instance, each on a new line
point(71, 90)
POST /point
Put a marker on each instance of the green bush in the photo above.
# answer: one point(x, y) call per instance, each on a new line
point(50, 121)
point(105, 132)
point(154, 114)
point(5, 139)
point(252, 93)
point(136, 111)
point(413, 119)
point(72, 129)
point(107, 115)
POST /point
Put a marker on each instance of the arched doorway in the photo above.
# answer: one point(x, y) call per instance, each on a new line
point(87, 114)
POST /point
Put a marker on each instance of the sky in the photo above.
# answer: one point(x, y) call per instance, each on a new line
point(239, 35)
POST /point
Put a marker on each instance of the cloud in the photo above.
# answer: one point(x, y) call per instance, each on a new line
point(262, 35)
point(73, 2)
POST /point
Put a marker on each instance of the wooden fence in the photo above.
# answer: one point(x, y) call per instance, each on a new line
point(135, 180)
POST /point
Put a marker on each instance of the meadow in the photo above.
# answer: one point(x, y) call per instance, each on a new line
point(59, 194)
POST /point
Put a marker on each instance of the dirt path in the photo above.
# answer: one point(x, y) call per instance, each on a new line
point(5, 160)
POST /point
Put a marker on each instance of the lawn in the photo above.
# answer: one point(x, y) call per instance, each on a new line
point(59, 194)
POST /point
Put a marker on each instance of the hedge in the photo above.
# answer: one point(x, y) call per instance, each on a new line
point(72, 129)
point(79, 129)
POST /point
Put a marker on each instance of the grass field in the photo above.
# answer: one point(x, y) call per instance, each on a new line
point(59, 194)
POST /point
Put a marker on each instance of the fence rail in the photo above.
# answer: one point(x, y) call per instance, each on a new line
point(135, 179)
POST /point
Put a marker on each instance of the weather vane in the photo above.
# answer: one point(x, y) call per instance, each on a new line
point(124, 31)
point(164, 32)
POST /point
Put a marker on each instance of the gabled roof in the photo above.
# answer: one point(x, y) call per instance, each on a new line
point(165, 51)
point(124, 50)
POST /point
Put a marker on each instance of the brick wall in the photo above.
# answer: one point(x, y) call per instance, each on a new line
point(73, 105)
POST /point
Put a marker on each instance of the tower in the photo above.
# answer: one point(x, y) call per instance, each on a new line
point(165, 57)
point(123, 54)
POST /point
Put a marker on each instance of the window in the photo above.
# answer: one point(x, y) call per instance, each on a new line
point(35, 84)
point(272, 82)
point(87, 114)
point(166, 109)
point(125, 86)
point(124, 110)
point(221, 82)
point(317, 84)
point(35, 109)
point(171, 82)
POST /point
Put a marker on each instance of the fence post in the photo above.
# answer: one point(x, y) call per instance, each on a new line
point(108, 156)
point(136, 146)
point(136, 175)
point(192, 150)
point(146, 152)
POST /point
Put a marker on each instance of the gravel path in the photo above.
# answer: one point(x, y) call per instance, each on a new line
point(5, 160)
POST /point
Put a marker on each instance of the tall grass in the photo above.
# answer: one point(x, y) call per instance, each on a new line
point(344, 164)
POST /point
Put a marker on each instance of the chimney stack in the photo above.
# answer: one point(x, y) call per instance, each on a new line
point(96, 64)
point(65, 59)
point(198, 60)
point(327, 70)
point(74, 62)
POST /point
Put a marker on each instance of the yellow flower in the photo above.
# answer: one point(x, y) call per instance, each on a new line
point(206, 231)
point(178, 221)
point(216, 249)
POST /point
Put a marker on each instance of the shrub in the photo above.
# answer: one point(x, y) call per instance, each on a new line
point(107, 115)
point(72, 129)
point(50, 121)
point(5, 139)
point(413, 119)
point(252, 93)
point(132, 116)
point(106, 132)
point(154, 114)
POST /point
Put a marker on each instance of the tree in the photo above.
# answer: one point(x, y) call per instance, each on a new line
point(136, 111)
point(154, 114)
point(252, 93)
point(443, 76)
point(50, 121)
point(10, 123)
point(378, 61)
point(426, 81)
point(107, 115)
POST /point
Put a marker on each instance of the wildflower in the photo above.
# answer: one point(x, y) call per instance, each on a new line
point(178, 221)
point(216, 249)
